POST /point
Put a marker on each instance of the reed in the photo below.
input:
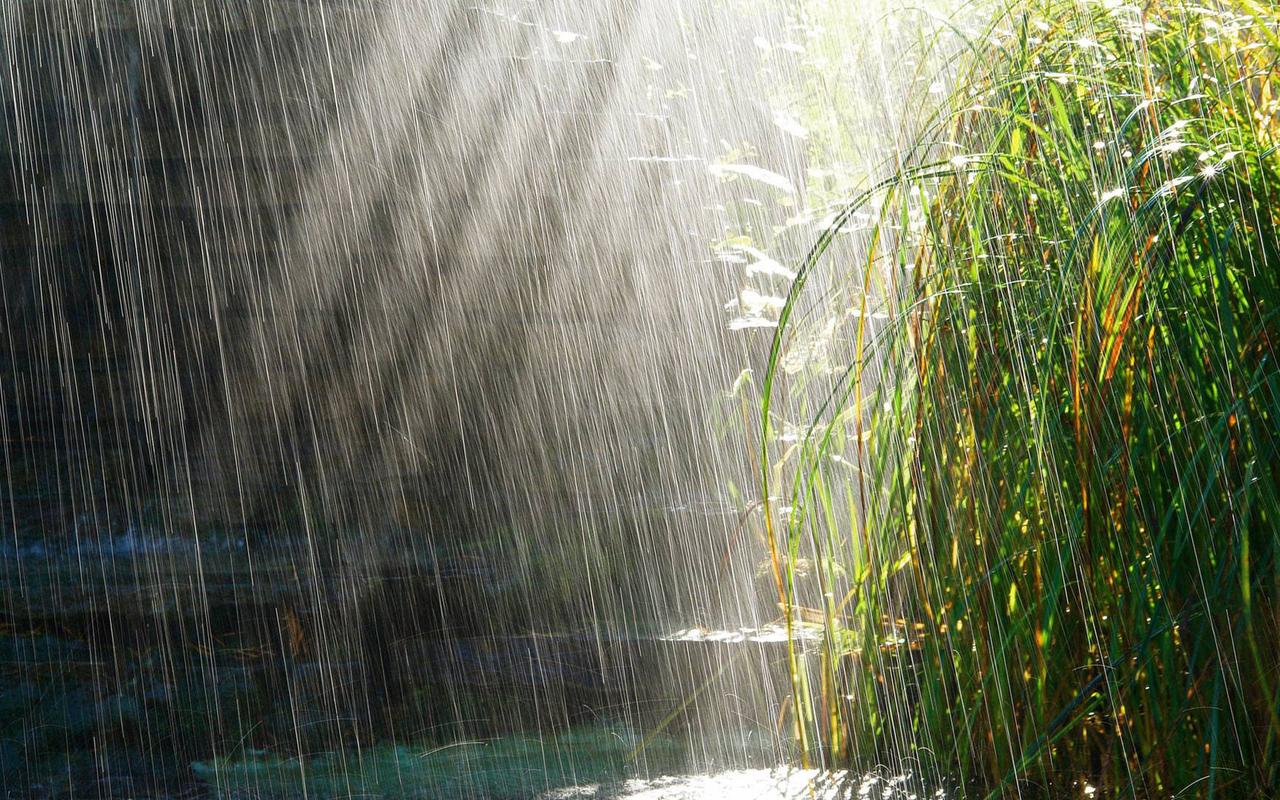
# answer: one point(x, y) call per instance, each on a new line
point(1030, 525)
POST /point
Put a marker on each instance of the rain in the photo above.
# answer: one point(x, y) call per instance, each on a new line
point(509, 399)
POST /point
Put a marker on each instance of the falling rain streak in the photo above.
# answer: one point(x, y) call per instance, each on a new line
point(628, 399)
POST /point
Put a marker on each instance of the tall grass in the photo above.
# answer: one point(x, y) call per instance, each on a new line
point(1032, 522)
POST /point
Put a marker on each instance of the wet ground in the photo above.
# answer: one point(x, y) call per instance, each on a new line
point(144, 666)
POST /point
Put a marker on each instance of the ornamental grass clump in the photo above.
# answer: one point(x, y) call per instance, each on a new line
point(1042, 497)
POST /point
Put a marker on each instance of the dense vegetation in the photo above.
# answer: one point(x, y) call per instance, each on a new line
point(1033, 519)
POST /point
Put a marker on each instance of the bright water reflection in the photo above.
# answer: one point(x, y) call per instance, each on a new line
point(753, 784)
